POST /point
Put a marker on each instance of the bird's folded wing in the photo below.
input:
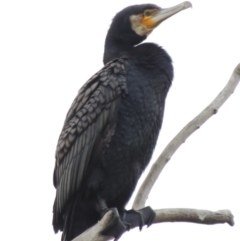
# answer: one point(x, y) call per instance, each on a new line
point(92, 114)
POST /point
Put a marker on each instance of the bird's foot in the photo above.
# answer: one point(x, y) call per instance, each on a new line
point(144, 216)
point(115, 227)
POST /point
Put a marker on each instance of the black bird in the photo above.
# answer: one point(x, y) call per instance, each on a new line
point(112, 127)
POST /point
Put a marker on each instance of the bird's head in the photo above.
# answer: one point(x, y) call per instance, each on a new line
point(133, 24)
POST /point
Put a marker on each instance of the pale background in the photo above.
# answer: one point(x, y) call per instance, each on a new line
point(48, 49)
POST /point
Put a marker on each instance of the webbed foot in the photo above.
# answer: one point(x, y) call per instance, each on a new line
point(115, 227)
point(144, 216)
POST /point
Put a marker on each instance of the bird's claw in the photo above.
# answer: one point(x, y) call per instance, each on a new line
point(148, 215)
point(116, 227)
point(144, 216)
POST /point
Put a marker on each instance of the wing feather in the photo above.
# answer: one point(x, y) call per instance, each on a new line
point(92, 113)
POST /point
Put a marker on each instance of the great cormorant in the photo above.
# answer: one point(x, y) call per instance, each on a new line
point(112, 127)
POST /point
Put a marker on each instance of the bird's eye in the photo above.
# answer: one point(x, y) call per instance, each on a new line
point(147, 13)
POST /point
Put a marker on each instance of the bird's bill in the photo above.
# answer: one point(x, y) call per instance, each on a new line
point(160, 15)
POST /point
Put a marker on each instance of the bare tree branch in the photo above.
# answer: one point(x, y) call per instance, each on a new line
point(181, 137)
point(163, 215)
point(194, 216)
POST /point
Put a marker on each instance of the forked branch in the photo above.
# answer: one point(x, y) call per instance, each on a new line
point(163, 215)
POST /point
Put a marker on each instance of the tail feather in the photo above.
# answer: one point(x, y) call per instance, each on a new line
point(57, 219)
point(79, 216)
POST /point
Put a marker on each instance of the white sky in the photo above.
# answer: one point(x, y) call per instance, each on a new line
point(48, 49)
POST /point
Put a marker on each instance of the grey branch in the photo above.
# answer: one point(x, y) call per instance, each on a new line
point(163, 215)
point(194, 216)
point(181, 137)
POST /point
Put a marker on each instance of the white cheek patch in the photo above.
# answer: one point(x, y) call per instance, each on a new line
point(138, 27)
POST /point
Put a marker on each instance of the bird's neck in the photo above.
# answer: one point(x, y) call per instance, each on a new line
point(115, 49)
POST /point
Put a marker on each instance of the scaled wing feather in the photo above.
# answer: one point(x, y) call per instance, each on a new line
point(92, 113)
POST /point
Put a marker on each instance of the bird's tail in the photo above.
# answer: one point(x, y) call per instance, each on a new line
point(80, 216)
point(58, 220)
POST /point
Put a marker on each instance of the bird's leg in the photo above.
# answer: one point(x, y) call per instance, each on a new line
point(144, 216)
point(115, 227)
point(101, 206)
